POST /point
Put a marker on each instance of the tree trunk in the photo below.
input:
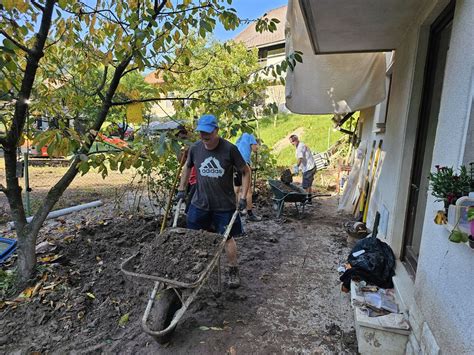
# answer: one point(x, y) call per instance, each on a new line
point(26, 241)
point(26, 249)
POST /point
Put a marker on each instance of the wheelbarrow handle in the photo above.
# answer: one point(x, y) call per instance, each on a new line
point(319, 195)
point(231, 224)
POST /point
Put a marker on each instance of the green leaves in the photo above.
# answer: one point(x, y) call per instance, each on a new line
point(457, 236)
point(266, 24)
point(470, 214)
point(447, 185)
point(59, 143)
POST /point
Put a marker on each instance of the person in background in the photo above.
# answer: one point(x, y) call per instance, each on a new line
point(305, 162)
point(213, 203)
point(247, 144)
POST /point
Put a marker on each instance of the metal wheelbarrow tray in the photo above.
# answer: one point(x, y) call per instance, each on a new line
point(173, 288)
point(287, 193)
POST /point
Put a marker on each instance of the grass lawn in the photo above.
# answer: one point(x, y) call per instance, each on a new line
point(315, 131)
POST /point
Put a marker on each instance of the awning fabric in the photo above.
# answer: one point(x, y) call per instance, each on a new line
point(324, 83)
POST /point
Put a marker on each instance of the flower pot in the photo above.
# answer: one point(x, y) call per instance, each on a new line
point(471, 240)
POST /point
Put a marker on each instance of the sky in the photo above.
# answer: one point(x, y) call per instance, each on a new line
point(250, 9)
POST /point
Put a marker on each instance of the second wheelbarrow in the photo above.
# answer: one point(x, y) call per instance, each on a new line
point(287, 193)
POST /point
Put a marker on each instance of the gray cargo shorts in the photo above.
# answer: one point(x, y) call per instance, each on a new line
point(308, 178)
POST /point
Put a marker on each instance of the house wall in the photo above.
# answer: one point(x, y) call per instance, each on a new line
point(163, 109)
point(444, 284)
point(469, 147)
point(438, 300)
point(390, 194)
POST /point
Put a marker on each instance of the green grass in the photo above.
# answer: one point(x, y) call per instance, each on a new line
point(316, 131)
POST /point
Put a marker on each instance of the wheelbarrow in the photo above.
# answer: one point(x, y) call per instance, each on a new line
point(169, 299)
point(287, 193)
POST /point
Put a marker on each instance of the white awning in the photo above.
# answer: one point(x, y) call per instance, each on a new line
point(330, 83)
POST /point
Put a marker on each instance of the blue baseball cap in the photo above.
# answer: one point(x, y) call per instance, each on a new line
point(207, 123)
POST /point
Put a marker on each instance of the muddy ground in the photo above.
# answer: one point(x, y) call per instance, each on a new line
point(289, 301)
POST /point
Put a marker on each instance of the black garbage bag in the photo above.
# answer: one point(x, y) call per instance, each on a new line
point(376, 265)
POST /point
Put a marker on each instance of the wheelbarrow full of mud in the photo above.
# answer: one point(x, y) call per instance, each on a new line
point(171, 265)
point(287, 193)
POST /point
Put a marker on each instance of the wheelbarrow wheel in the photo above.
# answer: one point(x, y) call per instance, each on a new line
point(277, 206)
point(162, 314)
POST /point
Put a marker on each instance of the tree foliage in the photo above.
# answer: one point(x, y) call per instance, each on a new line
point(224, 78)
point(78, 61)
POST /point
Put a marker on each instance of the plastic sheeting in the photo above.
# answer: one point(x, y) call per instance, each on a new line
point(330, 83)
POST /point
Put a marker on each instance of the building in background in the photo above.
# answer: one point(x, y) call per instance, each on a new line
point(160, 109)
point(271, 50)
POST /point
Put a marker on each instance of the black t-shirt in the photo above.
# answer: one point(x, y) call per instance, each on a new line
point(214, 173)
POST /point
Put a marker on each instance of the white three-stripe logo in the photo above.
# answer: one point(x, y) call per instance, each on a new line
point(211, 167)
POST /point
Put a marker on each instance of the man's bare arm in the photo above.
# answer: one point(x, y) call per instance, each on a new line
point(245, 181)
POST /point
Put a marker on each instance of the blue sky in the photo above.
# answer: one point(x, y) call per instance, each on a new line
point(251, 9)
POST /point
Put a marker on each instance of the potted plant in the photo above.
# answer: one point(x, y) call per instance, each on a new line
point(447, 185)
point(470, 218)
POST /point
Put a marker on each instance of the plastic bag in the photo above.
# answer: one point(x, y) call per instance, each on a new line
point(376, 264)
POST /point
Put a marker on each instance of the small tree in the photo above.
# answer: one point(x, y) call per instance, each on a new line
point(67, 59)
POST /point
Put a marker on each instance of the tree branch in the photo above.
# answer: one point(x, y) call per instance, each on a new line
point(156, 11)
point(186, 10)
point(128, 102)
point(53, 43)
point(57, 190)
point(115, 19)
point(37, 5)
point(129, 70)
point(3, 189)
point(15, 42)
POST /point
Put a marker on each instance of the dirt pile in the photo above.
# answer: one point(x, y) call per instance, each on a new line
point(286, 188)
point(81, 294)
point(178, 254)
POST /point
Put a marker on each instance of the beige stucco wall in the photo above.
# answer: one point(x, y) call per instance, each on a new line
point(163, 109)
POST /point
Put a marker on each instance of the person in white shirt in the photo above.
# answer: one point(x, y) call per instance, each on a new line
point(305, 162)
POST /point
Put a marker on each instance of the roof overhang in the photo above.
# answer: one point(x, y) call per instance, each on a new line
point(330, 83)
point(341, 26)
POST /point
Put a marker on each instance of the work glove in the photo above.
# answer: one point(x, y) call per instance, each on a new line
point(295, 169)
point(181, 195)
point(242, 204)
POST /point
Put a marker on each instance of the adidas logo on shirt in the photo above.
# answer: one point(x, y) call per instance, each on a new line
point(211, 168)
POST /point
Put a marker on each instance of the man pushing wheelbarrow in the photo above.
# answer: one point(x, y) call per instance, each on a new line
point(213, 203)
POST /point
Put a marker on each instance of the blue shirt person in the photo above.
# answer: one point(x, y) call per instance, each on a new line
point(247, 143)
